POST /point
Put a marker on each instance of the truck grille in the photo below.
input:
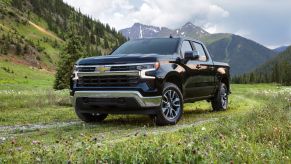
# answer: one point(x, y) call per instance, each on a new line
point(113, 68)
point(123, 68)
point(87, 69)
point(108, 81)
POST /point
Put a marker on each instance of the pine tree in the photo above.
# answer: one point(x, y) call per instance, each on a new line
point(72, 52)
point(18, 49)
point(106, 44)
point(5, 48)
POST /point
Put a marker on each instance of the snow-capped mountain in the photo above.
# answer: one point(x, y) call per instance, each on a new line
point(140, 31)
point(190, 30)
point(144, 31)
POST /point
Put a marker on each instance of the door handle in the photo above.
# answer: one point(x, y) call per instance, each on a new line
point(198, 66)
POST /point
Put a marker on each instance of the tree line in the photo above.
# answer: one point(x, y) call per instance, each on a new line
point(278, 70)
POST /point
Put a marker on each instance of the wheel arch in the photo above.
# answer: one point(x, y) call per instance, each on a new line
point(175, 78)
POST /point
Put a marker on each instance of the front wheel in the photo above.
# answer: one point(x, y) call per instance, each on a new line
point(171, 108)
point(220, 101)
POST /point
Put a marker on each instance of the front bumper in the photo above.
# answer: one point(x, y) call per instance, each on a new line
point(143, 102)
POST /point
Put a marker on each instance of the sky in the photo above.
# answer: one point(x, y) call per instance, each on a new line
point(267, 22)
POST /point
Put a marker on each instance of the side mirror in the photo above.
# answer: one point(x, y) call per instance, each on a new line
point(191, 55)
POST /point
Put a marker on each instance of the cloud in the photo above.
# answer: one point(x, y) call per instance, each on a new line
point(260, 20)
point(171, 13)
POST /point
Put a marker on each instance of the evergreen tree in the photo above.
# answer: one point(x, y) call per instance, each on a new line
point(18, 49)
point(5, 48)
point(72, 52)
point(106, 44)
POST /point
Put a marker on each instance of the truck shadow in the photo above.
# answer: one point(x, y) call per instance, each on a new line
point(145, 120)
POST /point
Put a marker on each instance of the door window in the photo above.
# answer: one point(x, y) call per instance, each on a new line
point(186, 46)
point(201, 52)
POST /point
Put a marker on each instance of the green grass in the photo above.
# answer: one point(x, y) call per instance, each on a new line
point(17, 77)
point(254, 129)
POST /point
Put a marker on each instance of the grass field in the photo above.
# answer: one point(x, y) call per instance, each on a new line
point(38, 125)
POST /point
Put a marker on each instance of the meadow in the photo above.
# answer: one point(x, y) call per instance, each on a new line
point(38, 125)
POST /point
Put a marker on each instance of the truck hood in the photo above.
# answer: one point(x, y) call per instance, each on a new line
point(121, 59)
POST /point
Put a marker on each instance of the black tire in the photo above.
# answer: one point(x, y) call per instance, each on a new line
point(171, 108)
point(90, 117)
point(220, 101)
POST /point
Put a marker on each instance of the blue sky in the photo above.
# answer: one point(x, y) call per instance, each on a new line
point(265, 21)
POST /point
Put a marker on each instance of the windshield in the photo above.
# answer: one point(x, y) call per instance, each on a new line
point(162, 46)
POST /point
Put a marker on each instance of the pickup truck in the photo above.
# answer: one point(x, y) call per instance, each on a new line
point(153, 76)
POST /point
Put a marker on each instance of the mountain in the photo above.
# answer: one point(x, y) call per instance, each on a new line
point(276, 70)
point(280, 49)
point(242, 54)
point(34, 32)
point(144, 31)
point(283, 57)
point(139, 31)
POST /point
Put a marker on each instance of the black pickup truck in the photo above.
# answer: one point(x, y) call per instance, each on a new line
point(153, 76)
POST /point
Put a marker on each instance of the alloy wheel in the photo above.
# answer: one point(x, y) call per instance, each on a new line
point(171, 104)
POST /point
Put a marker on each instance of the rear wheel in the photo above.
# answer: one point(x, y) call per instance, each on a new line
point(220, 101)
point(171, 108)
point(90, 117)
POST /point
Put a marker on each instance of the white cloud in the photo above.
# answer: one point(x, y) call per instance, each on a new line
point(211, 28)
point(263, 21)
point(170, 13)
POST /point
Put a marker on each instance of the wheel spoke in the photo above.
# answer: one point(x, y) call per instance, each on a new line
point(173, 96)
point(166, 111)
point(171, 113)
point(174, 113)
point(176, 100)
point(166, 97)
point(164, 102)
point(169, 95)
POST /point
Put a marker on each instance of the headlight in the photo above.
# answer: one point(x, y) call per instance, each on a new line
point(75, 68)
point(148, 66)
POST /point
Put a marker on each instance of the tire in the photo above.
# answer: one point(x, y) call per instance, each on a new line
point(171, 108)
point(90, 117)
point(220, 101)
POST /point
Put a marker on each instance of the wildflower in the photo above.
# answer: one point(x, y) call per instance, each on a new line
point(203, 128)
point(2, 139)
point(35, 142)
point(18, 148)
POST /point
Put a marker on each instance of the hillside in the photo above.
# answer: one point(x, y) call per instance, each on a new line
point(34, 32)
point(242, 54)
point(275, 70)
point(284, 57)
point(280, 49)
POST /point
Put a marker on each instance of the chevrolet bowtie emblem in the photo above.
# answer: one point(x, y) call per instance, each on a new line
point(102, 69)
